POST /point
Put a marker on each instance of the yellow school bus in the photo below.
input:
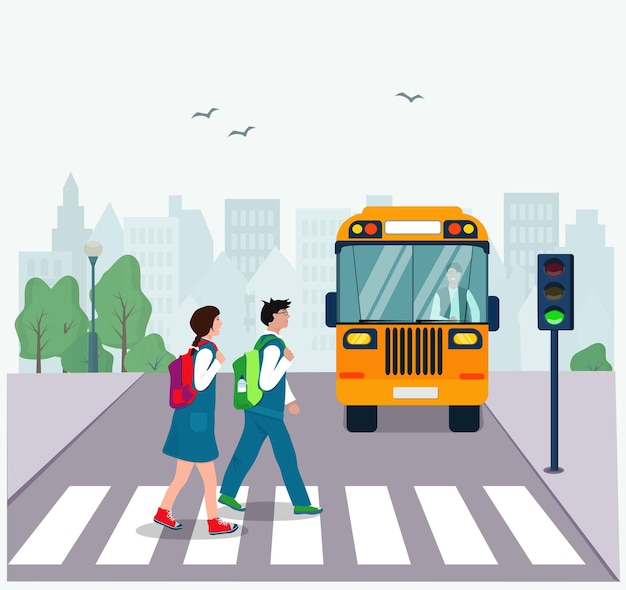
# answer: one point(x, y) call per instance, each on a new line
point(412, 313)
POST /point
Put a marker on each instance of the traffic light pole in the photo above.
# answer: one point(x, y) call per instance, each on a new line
point(554, 404)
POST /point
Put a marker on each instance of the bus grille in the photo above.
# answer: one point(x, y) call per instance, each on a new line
point(413, 351)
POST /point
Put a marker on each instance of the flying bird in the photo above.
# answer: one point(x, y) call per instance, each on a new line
point(244, 133)
point(409, 98)
point(207, 115)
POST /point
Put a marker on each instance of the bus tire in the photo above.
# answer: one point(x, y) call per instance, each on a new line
point(361, 418)
point(464, 418)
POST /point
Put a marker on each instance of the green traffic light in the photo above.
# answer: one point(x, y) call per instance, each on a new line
point(554, 316)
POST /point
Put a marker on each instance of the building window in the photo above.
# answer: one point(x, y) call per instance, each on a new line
point(169, 305)
point(513, 211)
point(169, 259)
point(44, 268)
point(305, 250)
point(305, 296)
point(151, 258)
point(522, 235)
point(305, 319)
point(270, 218)
point(323, 273)
point(522, 257)
point(160, 282)
point(323, 227)
point(150, 236)
point(314, 273)
point(540, 235)
point(549, 237)
point(151, 282)
point(261, 238)
point(160, 236)
point(133, 236)
point(531, 235)
point(549, 211)
point(531, 211)
point(142, 236)
point(252, 262)
point(252, 244)
point(261, 216)
point(243, 241)
point(305, 273)
point(160, 258)
point(233, 218)
point(168, 234)
point(540, 211)
point(58, 269)
point(314, 227)
point(251, 218)
point(313, 250)
point(305, 227)
point(169, 282)
point(233, 241)
point(270, 241)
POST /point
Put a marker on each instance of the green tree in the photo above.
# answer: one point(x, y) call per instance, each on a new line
point(149, 356)
point(592, 358)
point(51, 319)
point(75, 359)
point(122, 308)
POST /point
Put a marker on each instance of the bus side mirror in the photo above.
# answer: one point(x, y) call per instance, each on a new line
point(493, 313)
point(331, 309)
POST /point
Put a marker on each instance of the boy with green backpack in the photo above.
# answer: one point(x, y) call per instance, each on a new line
point(264, 413)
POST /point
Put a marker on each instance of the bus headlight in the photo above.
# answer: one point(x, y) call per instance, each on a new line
point(467, 338)
point(360, 338)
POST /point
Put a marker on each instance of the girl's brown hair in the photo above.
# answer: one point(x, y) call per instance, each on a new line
point(202, 321)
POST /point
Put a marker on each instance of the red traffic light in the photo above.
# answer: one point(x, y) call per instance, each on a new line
point(553, 268)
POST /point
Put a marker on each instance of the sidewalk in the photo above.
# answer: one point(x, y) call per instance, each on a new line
point(587, 444)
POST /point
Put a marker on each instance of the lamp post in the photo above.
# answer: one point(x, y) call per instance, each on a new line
point(93, 250)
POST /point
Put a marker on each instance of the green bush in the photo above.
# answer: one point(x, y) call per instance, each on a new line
point(592, 358)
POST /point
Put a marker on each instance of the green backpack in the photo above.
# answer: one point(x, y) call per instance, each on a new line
point(246, 372)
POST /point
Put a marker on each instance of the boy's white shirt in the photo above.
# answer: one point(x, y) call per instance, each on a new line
point(272, 369)
point(205, 368)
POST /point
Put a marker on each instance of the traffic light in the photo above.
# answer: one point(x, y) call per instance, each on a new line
point(555, 291)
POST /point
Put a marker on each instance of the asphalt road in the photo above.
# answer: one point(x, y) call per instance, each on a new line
point(409, 502)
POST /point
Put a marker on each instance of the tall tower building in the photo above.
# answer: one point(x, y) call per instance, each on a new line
point(70, 235)
point(251, 231)
point(531, 226)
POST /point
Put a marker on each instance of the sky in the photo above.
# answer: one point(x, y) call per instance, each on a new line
point(517, 97)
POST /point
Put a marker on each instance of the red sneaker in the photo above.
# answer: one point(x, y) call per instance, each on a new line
point(217, 526)
point(164, 517)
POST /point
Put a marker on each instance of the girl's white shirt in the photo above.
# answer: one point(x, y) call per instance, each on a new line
point(205, 368)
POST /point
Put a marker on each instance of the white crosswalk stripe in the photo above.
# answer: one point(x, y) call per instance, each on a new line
point(538, 536)
point(57, 533)
point(456, 533)
point(298, 540)
point(375, 528)
point(205, 549)
point(136, 536)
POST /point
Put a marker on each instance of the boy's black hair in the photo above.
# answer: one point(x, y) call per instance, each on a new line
point(456, 266)
point(271, 307)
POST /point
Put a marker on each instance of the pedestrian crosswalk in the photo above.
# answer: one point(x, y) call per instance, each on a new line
point(461, 536)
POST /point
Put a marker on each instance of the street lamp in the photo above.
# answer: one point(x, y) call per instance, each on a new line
point(93, 250)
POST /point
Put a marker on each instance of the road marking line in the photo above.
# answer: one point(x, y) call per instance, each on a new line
point(205, 549)
point(56, 534)
point(296, 539)
point(538, 536)
point(375, 529)
point(136, 535)
point(456, 533)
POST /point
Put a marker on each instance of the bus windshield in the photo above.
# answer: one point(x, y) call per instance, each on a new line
point(409, 283)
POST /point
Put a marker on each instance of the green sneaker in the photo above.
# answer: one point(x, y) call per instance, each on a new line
point(306, 510)
point(230, 502)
